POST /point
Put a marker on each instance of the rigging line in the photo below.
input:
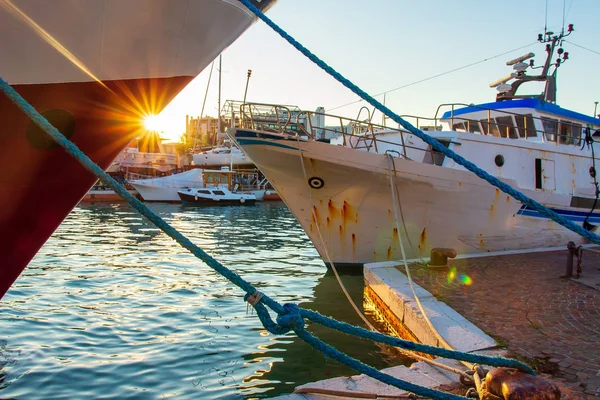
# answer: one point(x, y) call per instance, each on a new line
point(203, 104)
point(337, 276)
point(436, 76)
point(581, 47)
point(439, 337)
point(546, 18)
point(569, 10)
point(563, 24)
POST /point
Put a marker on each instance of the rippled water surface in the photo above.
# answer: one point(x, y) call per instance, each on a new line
point(113, 308)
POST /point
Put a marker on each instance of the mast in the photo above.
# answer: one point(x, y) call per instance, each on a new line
point(219, 105)
point(508, 91)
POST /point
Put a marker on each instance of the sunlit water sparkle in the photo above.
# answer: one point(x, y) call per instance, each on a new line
point(113, 308)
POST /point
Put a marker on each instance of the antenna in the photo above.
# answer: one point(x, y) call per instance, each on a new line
point(520, 59)
point(247, 80)
point(502, 80)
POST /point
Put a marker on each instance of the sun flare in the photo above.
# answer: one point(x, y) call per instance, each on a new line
point(152, 123)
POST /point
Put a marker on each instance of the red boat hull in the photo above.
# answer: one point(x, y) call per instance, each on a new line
point(40, 183)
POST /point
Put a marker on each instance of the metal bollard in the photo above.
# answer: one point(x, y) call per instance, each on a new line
point(572, 252)
point(511, 384)
point(439, 256)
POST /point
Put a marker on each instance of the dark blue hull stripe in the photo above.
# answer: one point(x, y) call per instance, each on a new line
point(263, 142)
point(572, 215)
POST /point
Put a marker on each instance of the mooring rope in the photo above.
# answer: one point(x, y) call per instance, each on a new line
point(423, 136)
point(349, 298)
point(290, 316)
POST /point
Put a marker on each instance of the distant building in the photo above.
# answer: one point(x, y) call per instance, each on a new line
point(201, 131)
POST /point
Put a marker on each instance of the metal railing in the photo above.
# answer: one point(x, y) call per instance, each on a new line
point(521, 126)
point(354, 133)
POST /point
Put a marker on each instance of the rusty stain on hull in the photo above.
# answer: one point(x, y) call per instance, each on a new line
point(317, 214)
point(332, 209)
point(423, 238)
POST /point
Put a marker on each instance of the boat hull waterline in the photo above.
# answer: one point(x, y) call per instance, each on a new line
point(94, 70)
point(224, 197)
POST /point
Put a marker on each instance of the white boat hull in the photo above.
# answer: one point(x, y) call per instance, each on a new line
point(212, 160)
point(165, 188)
point(351, 219)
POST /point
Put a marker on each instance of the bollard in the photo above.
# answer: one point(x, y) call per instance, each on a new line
point(439, 256)
point(512, 384)
point(572, 252)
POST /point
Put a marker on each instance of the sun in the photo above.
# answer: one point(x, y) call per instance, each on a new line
point(152, 123)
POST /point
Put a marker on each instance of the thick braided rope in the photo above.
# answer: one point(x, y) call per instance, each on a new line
point(289, 316)
point(426, 138)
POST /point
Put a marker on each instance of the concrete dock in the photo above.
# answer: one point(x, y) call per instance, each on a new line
point(516, 305)
point(552, 323)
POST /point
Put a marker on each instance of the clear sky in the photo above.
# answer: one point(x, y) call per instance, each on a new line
point(385, 44)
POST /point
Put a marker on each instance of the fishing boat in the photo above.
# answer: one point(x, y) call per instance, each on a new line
point(95, 70)
point(225, 186)
point(361, 196)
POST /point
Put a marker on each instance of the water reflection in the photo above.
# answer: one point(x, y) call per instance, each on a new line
point(113, 307)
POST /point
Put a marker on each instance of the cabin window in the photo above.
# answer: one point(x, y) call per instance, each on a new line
point(570, 133)
point(550, 128)
point(209, 178)
point(489, 128)
point(473, 126)
point(223, 178)
point(507, 127)
point(526, 126)
point(219, 192)
point(203, 192)
point(459, 127)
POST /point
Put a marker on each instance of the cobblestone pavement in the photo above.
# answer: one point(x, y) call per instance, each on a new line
point(550, 322)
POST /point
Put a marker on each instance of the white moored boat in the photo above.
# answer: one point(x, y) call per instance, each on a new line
point(225, 187)
point(94, 69)
point(165, 188)
point(219, 156)
point(345, 200)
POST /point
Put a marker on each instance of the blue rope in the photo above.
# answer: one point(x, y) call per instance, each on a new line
point(290, 316)
point(426, 138)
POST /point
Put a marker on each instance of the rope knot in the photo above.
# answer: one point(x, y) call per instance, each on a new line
point(290, 319)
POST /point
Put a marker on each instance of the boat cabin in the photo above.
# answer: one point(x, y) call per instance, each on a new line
point(532, 119)
point(234, 181)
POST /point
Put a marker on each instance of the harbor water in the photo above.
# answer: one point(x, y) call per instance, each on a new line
point(113, 308)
